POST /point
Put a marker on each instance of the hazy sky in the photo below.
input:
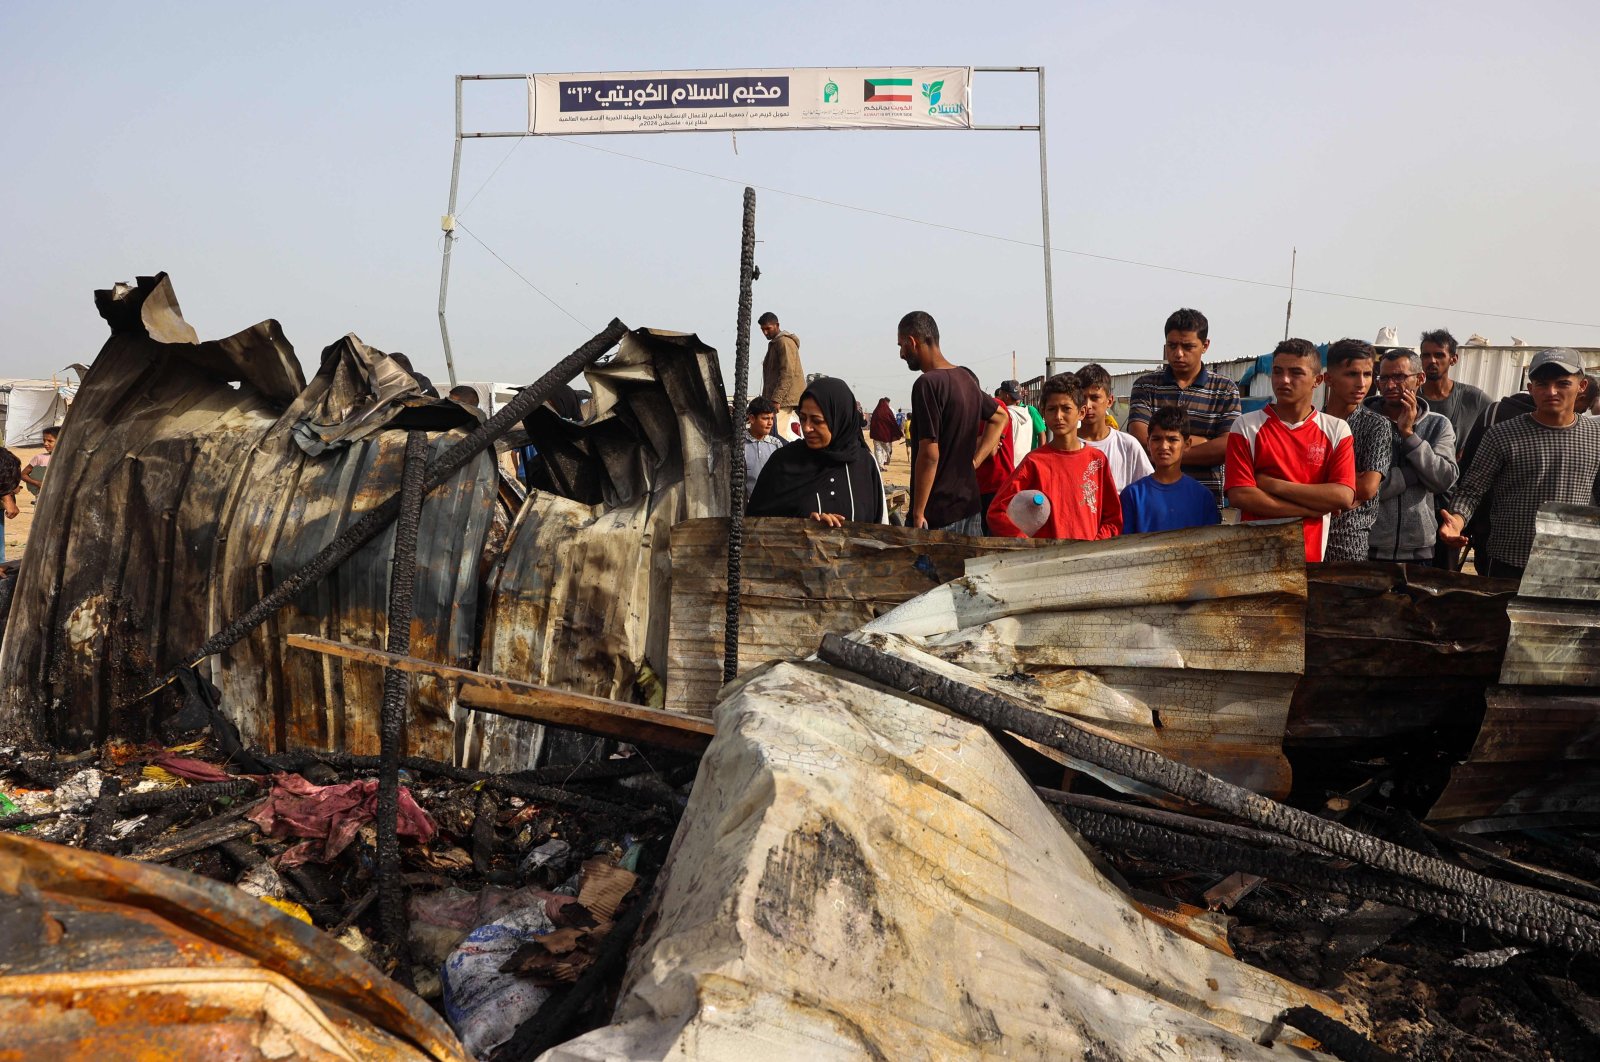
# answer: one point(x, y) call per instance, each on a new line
point(292, 160)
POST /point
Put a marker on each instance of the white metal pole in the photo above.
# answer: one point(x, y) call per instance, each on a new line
point(448, 224)
point(1044, 210)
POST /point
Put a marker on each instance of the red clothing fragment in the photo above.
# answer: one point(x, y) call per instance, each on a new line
point(997, 468)
point(332, 814)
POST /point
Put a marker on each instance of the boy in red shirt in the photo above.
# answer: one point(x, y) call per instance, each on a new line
point(1287, 459)
point(1074, 477)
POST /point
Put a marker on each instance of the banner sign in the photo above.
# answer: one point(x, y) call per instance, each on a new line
point(700, 100)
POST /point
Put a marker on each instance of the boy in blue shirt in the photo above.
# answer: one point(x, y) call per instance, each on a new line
point(1167, 500)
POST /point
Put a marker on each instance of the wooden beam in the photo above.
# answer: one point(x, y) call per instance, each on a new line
point(524, 700)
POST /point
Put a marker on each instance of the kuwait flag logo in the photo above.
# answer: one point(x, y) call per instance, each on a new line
point(887, 90)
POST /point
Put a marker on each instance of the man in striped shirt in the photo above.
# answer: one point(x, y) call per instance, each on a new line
point(1549, 455)
point(1289, 460)
point(1211, 399)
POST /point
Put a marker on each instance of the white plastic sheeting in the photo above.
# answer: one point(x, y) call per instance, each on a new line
point(862, 875)
point(31, 407)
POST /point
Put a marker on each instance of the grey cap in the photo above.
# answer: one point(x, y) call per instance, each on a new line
point(1565, 357)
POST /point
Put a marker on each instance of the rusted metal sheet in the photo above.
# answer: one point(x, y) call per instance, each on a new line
point(1393, 649)
point(800, 580)
point(178, 501)
point(1565, 561)
point(581, 597)
point(106, 958)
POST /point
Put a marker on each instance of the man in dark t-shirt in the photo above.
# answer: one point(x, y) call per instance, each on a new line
point(946, 406)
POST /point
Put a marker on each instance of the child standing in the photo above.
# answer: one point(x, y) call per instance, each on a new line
point(1127, 456)
point(1167, 500)
point(1075, 478)
point(33, 471)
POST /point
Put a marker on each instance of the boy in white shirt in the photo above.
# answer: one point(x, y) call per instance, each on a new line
point(1126, 455)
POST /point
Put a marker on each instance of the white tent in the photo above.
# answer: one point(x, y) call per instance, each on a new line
point(32, 406)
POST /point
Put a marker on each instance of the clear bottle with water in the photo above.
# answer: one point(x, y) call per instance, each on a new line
point(1029, 510)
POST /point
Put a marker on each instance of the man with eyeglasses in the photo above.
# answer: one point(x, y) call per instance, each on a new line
point(1209, 398)
point(1422, 463)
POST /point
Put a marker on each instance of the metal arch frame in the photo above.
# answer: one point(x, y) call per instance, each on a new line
point(448, 222)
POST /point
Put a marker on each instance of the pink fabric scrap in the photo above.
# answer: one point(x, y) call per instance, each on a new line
point(194, 770)
point(332, 814)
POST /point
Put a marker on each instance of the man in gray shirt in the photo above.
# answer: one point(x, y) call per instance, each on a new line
point(1549, 455)
point(1423, 464)
point(1459, 403)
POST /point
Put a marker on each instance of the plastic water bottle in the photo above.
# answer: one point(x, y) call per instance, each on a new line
point(1029, 510)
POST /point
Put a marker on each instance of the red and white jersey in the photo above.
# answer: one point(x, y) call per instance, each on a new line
point(1316, 450)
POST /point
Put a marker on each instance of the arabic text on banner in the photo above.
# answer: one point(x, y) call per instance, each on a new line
point(690, 101)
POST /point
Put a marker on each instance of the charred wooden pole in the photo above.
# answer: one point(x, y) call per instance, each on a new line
point(396, 685)
point(741, 373)
point(1517, 911)
point(440, 470)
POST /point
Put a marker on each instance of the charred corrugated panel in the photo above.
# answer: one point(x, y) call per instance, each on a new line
point(120, 556)
point(1190, 643)
point(1231, 634)
point(1536, 761)
point(1552, 643)
point(1394, 649)
point(581, 596)
point(1555, 620)
point(178, 501)
point(1537, 755)
point(1228, 723)
point(800, 580)
point(305, 701)
point(1565, 561)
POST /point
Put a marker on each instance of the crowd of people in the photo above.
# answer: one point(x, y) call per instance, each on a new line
point(1401, 463)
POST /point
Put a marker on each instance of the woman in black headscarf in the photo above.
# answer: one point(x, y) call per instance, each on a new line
point(827, 474)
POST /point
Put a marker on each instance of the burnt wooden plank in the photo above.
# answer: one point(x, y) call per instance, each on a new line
point(524, 700)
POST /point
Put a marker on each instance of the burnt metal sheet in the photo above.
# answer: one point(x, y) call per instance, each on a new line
point(798, 581)
point(301, 701)
point(176, 501)
point(1552, 643)
point(1555, 620)
point(1565, 560)
point(129, 960)
point(1536, 761)
point(1231, 634)
point(581, 597)
point(1197, 564)
point(1191, 643)
point(1229, 723)
point(1393, 649)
